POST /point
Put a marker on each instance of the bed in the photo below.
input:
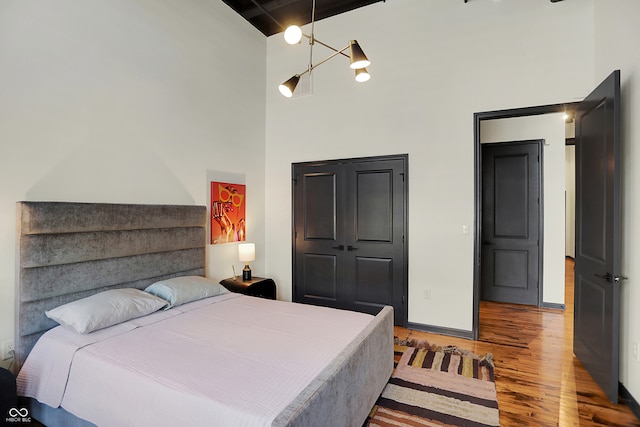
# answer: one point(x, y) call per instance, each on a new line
point(69, 251)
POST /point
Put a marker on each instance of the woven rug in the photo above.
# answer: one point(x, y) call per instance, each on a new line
point(437, 386)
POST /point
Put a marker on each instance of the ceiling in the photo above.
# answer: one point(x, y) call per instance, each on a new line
point(273, 16)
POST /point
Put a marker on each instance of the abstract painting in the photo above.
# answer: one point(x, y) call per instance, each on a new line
point(228, 220)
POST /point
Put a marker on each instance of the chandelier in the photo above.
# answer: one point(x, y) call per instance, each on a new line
point(357, 59)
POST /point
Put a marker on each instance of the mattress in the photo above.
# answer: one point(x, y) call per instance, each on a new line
point(230, 360)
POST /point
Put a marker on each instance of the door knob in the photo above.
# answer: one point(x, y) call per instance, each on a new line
point(351, 248)
point(339, 247)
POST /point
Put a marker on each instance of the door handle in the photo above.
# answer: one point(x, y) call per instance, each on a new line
point(351, 248)
point(606, 276)
point(339, 247)
point(618, 279)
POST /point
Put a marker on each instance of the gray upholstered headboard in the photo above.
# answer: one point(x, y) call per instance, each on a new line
point(66, 251)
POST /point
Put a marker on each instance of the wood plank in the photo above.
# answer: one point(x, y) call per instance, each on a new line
point(538, 379)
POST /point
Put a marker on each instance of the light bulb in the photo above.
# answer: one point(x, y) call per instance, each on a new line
point(293, 34)
point(362, 75)
point(360, 64)
point(285, 91)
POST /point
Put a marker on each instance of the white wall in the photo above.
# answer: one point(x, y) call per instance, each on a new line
point(616, 35)
point(551, 129)
point(128, 101)
point(434, 64)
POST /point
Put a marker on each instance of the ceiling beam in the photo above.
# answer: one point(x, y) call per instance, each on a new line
point(265, 8)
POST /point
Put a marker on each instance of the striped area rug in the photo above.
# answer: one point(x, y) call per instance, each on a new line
point(437, 387)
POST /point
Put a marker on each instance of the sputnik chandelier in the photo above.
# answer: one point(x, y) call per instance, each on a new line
point(358, 60)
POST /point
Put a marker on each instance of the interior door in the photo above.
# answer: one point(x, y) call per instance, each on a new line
point(597, 266)
point(511, 222)
point(375, 269)
point(349, 234)
point(318, 230)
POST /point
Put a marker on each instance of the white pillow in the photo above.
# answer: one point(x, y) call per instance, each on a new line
point(105, 309)
point(184, 289)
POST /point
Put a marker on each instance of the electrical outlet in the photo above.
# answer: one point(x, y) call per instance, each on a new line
point(636, 353)
point(7, 350)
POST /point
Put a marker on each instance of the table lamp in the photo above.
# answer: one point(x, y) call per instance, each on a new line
point(246, 253)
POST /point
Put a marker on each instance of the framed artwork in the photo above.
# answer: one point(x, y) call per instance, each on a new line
point(228, 221)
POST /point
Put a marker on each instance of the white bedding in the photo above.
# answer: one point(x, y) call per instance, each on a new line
point(230, 360)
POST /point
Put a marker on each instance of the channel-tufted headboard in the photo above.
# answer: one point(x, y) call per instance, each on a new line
point(67, 251)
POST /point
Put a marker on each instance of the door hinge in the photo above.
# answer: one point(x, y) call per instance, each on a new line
point(403, 299)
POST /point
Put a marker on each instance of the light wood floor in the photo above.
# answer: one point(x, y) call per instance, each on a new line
point(538, 379)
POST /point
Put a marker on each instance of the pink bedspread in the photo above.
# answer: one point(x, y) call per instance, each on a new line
point(230, 360)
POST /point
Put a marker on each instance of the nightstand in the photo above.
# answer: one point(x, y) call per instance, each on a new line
point(256, 287)
point(8, 395)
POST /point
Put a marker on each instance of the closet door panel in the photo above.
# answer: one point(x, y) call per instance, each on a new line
point(374, 206)
point(320, 277)
point(373, 283)
point(320, 206)
point(318, 232)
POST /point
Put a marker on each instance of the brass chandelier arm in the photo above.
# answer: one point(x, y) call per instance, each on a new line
point(313, 40)
point(314, 66)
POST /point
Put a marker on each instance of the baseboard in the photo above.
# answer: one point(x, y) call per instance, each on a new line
point(629, 400)
point(553, 305)
point(441, 331)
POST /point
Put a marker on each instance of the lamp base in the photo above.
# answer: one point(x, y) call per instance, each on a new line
point(246, 272)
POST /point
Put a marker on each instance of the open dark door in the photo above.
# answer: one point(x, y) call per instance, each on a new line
point(597, 266)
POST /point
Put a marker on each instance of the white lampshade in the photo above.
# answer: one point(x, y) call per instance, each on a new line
point(247, 251)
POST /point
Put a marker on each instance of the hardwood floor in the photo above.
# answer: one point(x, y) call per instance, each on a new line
point(538, 379)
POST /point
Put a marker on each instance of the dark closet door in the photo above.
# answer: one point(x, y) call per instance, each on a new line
point(349, 234)
point(319, 218)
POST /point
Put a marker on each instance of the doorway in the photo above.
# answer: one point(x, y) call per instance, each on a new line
point(545, 124)
point(598, 212)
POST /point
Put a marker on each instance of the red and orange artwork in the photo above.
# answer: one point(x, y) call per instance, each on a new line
point(227, 212)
